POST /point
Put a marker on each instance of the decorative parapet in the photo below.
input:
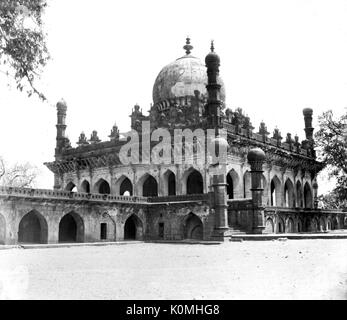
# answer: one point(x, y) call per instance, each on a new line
point(47, 194)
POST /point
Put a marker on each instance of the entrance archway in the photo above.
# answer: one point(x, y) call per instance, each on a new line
point(33, 228)
point(133, 228)
point(71, 228)
point(193, 228)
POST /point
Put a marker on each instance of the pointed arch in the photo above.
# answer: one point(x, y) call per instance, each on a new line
point(102, 187)
point(269, 226)
point(299, 198)
point(33, 228)
point(124, 186)
point(2, 229)
point(193, 227)
point(289, 199)
point(275, 191)
point(322, 224)
point(85, 186)
point(169, 183)
point(307, 196)
point(133, 228)
point(193, 182)
point(71, 187)
point(71, 228)
point(290, 225)
point(233, 181)
point(280, 226)
point(150, 187)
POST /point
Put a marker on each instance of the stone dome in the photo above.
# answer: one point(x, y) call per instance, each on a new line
point(182, 78)
point(255, 155)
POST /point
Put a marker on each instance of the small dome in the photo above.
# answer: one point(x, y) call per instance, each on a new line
point(62, 104)
point(212, 58)
point(307, 111)
point(256, 154)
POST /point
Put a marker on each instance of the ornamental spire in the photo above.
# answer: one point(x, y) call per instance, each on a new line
point(188, 47)
point(212, 46)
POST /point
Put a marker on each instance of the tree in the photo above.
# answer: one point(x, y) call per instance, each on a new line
point(21, 175)
point(331, 140)
point(23, 50)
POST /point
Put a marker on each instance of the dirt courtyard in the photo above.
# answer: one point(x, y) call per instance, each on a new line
point(293, 269)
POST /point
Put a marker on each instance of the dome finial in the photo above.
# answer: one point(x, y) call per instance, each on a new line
point(188, 47)
point(212, 46)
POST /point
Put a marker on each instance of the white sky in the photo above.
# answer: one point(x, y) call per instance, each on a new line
point(277, 57)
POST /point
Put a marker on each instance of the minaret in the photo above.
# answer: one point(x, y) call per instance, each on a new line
point(214, 102)
point(308, 123)
point(61, 127)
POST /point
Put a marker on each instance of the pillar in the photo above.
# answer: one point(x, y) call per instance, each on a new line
point(256, 159)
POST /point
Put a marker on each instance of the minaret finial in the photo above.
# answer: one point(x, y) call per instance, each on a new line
point(188, 47)
point(212, 46)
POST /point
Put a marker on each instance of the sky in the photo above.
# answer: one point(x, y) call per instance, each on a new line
point(277, 57)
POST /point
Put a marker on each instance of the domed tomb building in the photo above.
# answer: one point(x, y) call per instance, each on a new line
point(266, 182)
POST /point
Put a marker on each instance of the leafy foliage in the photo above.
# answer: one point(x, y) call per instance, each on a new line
point(21, 175)
point(23, 50)
point(331, 141)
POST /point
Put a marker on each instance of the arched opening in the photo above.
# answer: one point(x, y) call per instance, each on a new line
point(232, 183)
point(171, 184)
point(307, 196)
point(329, 224)
point(290, 225)
point(247, 185)
point(195, 184)
point(85, 187)
point(269, 226)
point(322, 226)
point(150, 187)
point(299, 226)
point(133, 228)
point(33, 228)
point(71, 228)
point(103, 187)
point(71, 187)
point(335, 224)
point(280, 226)
point(193, 228)
point(299, 202)
point(2, 229)
point(314, 225)
point(230, 187)
point(126, 188)
point(289, 199)
point(275, 186)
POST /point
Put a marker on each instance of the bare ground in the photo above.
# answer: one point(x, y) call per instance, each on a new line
point(293, 269)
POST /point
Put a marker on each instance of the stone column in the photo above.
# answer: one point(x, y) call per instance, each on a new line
point(256, 158)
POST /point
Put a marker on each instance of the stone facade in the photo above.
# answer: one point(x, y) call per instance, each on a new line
point(266, 185)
